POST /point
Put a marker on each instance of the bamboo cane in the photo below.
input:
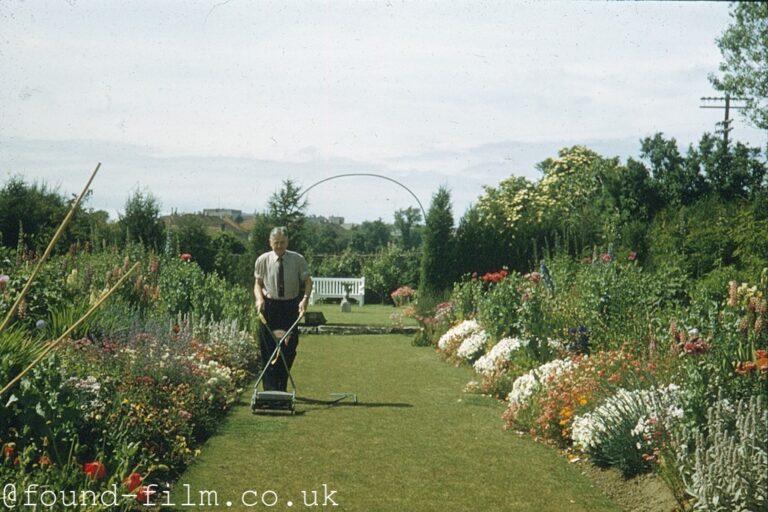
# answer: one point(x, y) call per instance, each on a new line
point(55, 344)
point(47, 252)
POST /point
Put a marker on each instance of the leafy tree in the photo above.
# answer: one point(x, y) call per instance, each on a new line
point(192, 235)
point(324, 238)
point(370, 236)
point(228, 251)
point(39, 211)
point(259, 237)
point(348, 263)
point(391, 268)
point(141, 221)
point(744, 70)
point(438, 249)
point(406, 223)
point(678, 183)
point(286, 208)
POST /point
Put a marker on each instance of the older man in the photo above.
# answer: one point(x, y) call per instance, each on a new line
point(282, 288)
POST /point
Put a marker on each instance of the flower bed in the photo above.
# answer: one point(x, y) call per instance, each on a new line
point(128, 401)
point(638, 377)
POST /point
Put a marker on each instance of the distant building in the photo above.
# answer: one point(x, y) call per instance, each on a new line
point(319, 219)
point(222, 212)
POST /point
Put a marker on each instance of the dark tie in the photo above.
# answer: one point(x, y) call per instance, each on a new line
point(280, 278)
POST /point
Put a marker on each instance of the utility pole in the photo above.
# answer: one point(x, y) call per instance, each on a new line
point(727, 120)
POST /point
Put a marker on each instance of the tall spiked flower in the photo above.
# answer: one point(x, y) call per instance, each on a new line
point(544, 271)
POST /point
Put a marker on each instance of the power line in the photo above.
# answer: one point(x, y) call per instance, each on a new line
point(727, 107)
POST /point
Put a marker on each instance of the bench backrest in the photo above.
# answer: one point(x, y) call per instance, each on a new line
point(335, 285)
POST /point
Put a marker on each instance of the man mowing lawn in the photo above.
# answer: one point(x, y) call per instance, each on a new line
point(282, 290)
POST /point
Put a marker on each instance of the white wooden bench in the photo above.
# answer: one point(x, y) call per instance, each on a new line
point(333, 288)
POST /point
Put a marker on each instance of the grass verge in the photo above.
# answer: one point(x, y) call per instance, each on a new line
point(413, 442)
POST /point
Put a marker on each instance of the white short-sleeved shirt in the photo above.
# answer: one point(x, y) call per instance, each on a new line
point(295, 269)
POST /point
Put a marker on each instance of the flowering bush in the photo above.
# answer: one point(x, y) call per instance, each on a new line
point(499, 353)
point(624, 431)
point(128, 401)
point(473, 346)
point(449, 342)
point(403, 295)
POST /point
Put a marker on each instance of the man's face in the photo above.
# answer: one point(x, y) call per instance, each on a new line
point(279, 244)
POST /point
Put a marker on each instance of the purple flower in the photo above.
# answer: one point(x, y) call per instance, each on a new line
point(40, 324)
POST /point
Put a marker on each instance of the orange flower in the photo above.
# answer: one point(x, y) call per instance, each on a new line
point(44, 460)
point(745, 367)
point(762, 364)
point(9, 450)
point(95, 470)
point(132, 481)
point(761, 354)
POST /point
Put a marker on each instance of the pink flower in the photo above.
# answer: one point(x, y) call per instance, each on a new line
point(606, 258)
point(534, 277)
point(186, 257)
point(632, 256)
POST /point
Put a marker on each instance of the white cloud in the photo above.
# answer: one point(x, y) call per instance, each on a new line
point(242, 94)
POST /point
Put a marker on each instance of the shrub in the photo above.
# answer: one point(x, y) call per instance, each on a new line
point(728, 469)
point(614, 433)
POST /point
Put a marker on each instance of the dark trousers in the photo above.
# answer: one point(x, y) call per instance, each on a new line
point(280, 314)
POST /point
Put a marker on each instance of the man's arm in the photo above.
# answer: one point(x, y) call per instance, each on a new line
point(258, 293)
point(307, 292)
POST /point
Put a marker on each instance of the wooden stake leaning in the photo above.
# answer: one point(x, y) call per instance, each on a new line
point(53, 345)
point(47, 252)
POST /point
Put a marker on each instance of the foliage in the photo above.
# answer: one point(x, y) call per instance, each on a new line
point(345, 264)
point(744, 70)
point(438, 253)
point(140, 221)
point(286, 207)
point(369, 236)
point(613, 433)
point(31, 213)
point(728, 469)
point(407, 225)
point(390, 268)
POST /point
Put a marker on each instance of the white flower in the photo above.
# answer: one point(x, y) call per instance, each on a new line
point(526, 385)
point(473, 345)
point(457, 334)
point(499, 353)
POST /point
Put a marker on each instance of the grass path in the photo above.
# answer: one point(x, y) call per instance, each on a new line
point(413, 443)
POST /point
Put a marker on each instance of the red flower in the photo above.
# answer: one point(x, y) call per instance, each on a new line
point(186, 257)
point(145, 494)
point(132, 482)
point(761, 354)
point(632, 256)
point(95, 470)
point(9, 450)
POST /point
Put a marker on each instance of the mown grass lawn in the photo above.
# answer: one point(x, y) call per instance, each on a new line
point(414, 442)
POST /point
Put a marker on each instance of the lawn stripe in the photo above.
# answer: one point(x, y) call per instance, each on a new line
point(414, 442)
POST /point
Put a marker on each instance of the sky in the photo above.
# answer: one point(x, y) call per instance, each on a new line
point(214, 103)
